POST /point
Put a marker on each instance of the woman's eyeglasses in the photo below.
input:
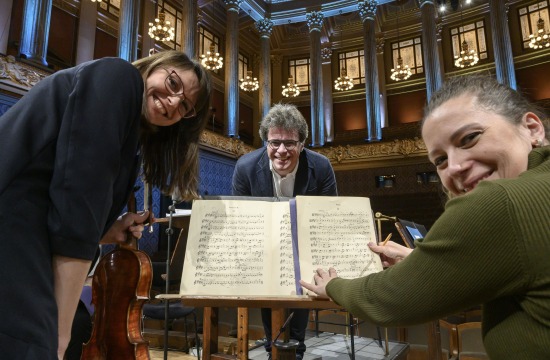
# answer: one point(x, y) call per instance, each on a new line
point(174, 86)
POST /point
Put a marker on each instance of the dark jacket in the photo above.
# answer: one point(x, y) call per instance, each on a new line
point(252, 176)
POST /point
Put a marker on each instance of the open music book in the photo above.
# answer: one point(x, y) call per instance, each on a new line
point(263, 248)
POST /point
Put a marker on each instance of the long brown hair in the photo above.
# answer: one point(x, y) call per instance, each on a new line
point(171, 154)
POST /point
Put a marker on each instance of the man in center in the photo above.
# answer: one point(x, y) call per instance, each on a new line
point(284, 168)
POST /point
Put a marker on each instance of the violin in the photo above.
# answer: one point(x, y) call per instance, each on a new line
point(120, 287)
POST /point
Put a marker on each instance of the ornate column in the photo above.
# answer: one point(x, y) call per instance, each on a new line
point(128, 30)
point(381, 82)
point(326, 56)
point(86, 32)
point(189, 28)
point(265, 27)
point(5, 18)
point(277, 61)
point(367, 11)
point(315, 22)
point(232, 68)
point(504, 59)
point(35, 30)
point(432, 64)
point(149, 14)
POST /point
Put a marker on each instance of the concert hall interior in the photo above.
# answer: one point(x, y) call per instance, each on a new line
point(360, 72)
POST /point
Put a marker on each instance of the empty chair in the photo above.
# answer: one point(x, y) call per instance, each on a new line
point(470, 341)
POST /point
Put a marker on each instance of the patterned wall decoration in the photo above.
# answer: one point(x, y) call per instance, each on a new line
point(216, 172)
point(6, 102)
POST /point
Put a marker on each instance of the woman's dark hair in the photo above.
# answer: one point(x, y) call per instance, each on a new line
point(171, 154)
point(490, 96)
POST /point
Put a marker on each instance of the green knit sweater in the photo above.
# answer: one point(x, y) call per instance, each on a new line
point(491, 247)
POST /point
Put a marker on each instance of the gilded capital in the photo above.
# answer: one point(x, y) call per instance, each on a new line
point(380, 45)
point(232, 5)
point(367, 9)
point(326, 52)
point(264, 27)
point(314, 20)
point(425, 2)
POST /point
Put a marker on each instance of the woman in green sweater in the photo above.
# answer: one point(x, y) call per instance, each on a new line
point(491, 246)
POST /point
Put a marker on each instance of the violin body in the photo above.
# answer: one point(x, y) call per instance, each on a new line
point(121, 285)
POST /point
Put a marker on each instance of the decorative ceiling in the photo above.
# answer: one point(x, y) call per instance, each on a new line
point(341, 17)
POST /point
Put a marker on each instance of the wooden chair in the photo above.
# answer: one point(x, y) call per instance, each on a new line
point(470, 341)
point(449, 340)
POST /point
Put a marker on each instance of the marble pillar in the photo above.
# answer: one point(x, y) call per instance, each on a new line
point(315, 22)
point(232, 68)
point(128, 29)
point(432, 64)
point(367, 11)
point(35, 29)
point(504, 58)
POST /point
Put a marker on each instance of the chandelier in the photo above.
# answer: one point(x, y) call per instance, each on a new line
point(467, 57)
point(400, 71)
point(541, 38)
point(249, 83)
point(212, 59)
point(161, 30)
point(291, 89)
point(343, 82)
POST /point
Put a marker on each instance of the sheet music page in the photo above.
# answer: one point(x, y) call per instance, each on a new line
point(238, 247)
point(334, 232)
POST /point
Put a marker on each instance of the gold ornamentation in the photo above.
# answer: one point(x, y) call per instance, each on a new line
point(228, 146)
point(375, 151)
point(19, 74)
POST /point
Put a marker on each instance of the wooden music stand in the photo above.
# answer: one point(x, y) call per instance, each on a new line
point(279, 307)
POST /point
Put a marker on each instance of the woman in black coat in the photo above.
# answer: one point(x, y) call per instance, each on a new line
point(71, 150)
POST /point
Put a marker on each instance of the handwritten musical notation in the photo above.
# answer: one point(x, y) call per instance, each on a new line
point(338, 234)
point(232, 247)
point(242, 247)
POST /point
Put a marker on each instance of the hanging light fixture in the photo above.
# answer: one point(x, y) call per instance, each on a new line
point(212, 59)
point(291, 89)
point(467, 57)
point(541, 38)
point(249, 83)
point(161, 30)
point(401, 71)
point(343, 82)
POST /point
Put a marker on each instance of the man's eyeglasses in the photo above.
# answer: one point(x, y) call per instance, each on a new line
point(276, 144)
point(174, 86)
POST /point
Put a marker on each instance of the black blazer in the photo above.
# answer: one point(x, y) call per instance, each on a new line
point(252, 176)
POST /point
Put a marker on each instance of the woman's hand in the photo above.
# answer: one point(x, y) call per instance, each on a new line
point(128, 223)
point(320, 281)
point(392, 253)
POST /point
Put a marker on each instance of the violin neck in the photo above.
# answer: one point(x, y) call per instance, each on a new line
point(131, 241)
